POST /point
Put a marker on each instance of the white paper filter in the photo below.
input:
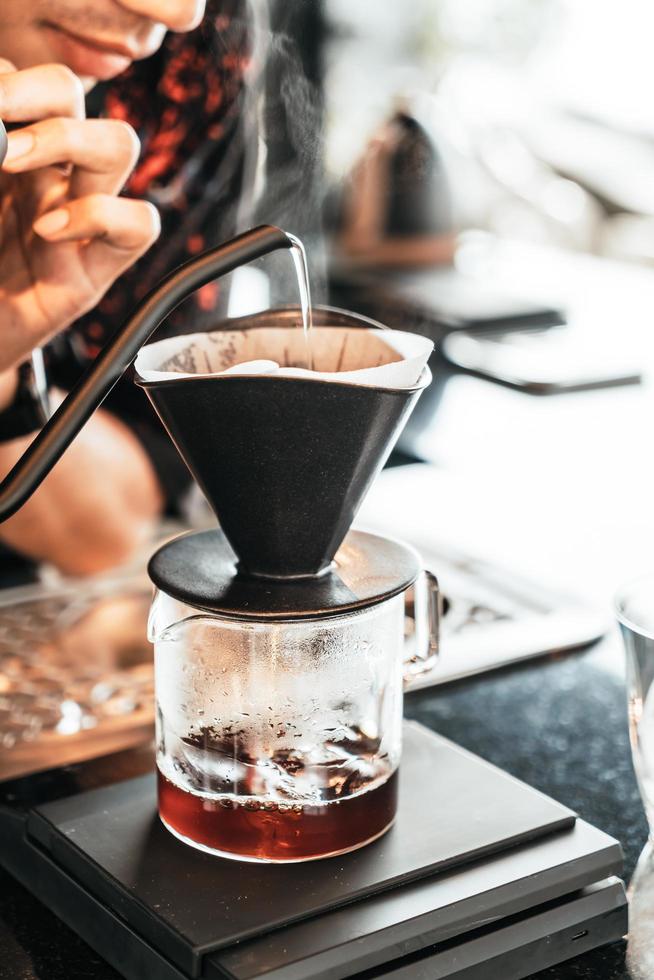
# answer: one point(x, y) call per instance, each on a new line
point(386, 359)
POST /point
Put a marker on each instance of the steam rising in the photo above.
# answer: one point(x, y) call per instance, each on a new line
point(290, 166)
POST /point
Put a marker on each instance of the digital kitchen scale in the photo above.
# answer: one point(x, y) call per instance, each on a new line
point(480, 877)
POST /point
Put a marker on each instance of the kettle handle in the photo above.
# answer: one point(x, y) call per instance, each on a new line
point(114, 359)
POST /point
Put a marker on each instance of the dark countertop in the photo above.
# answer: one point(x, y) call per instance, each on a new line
point(558, 724)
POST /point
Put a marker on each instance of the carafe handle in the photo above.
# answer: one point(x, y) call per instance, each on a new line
point(427, 619)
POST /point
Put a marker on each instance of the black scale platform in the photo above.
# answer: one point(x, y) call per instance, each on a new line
point(480, 876)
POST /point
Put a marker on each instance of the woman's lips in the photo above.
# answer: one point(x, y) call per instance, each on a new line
point(86, 58)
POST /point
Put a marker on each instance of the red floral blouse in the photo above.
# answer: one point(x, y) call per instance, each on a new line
point(185, 103)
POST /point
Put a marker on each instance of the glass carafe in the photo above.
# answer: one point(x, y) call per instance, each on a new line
point(278, 740)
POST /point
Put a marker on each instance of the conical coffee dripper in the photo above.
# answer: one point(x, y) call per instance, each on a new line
point(284, 463)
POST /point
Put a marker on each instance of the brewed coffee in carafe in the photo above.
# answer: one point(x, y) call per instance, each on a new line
point(279, 741)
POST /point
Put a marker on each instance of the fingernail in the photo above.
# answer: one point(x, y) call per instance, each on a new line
point(51, 223)
point(18, 145)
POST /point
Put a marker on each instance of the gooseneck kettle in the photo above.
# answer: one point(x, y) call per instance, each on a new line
point(60, 430)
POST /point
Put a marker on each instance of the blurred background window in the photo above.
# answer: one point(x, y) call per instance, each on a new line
point(542, 109)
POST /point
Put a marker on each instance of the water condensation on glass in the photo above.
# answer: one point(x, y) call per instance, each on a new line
point(301, 713)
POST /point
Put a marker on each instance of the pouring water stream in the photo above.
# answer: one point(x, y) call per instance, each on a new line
point(299, 256)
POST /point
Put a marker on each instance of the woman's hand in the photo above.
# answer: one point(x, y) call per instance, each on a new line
point(65, 235)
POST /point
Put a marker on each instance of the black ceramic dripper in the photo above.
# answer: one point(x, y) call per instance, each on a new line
point(284, 462)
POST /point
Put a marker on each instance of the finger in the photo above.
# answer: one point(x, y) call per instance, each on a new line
point(117, 231)
point(118, 220)
point(105, 259)
point(102, 151)
point(39, 93)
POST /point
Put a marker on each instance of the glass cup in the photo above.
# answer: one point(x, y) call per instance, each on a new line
point(635, 612)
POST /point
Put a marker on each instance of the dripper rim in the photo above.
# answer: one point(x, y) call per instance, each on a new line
point(423, 381)
point(246, 322)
